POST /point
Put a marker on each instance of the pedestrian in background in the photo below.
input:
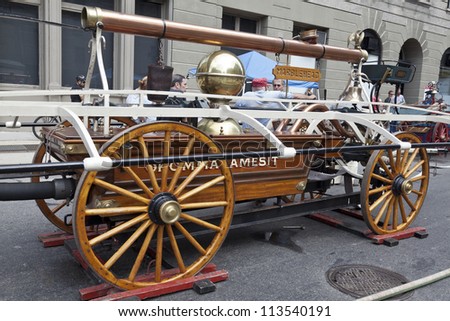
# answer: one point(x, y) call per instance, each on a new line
point(80, 83)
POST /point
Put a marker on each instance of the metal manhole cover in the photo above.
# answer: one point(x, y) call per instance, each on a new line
point(363, 280)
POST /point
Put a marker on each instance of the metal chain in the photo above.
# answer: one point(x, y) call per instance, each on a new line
point(160, 48)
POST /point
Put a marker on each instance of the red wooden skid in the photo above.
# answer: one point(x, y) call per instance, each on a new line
point(409, 232)
point(350, 212)
point(105, 289)
point(54, 239)
point(323, 218)
point(58, 238)
point(377, 239)
point(166, 288)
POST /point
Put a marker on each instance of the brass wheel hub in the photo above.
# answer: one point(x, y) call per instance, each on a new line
point(407, 187)
point(169, 212)
point(164, 209)
point(402, 185)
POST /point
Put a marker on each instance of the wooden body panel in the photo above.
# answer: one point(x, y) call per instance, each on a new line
point(254, 178)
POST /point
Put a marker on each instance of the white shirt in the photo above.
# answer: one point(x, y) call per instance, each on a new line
point(134, 100)
point(258, 103)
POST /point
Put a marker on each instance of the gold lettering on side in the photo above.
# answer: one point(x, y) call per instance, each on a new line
point(296, 73)
point(215, 164)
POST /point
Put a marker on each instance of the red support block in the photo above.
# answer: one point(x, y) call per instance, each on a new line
point(338, 221)
point(105, 289)
point(106, 292)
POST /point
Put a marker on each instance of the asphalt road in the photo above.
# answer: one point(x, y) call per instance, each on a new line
point(291, 265)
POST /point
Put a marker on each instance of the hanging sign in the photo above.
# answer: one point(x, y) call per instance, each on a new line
point(296, 73)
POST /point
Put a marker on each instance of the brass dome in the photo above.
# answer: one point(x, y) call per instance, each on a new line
point(220, 73)
point(220, 127)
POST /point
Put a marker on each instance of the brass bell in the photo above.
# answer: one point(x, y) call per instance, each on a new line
point(352, 94)
point(213, 126)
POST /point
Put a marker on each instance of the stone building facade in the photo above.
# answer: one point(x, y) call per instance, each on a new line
point(413, 31)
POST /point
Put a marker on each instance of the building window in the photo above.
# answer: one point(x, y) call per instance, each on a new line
point(146, 50)
point(75, 50)
point(105, 4)
point(19, 42)
point(236, 23)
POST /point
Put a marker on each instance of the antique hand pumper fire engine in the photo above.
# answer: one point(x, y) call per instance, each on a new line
point(152, 202)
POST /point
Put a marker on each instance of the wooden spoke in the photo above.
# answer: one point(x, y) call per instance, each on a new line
point(410, 160)
point(383, 209)
point(380, 200)
point(142, 252)
point(115, 211)
point(388, 212)
point(118, 229)
point(418, 178)
point(404, 159)
point(119, 190)
point(385, 168)
point(175, 249)
point(135, 239)
point(398, 155)
point(125, 246)
point(413, 169)
point(189, 179)
point(159, 253)
point(190, 238)
point(166, 152)
point(391, 160)
point(179, 169)
point(201, 188)
point(408, 201)
point(382, 179)
point(59, 206)
point(402, 210)
point(391, 198)
point(191, 206)
point(395, 214)
point(380, 189)
point(200, 222)
point(149, 168)
point(137, 179)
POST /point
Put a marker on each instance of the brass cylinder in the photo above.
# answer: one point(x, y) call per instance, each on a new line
point(152, 27)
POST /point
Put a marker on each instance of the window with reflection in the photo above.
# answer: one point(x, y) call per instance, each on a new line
point(236, 23)
point(19, 43)
point(76, 51)
point(146, 50)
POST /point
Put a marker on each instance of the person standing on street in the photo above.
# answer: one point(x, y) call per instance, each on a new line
point(400, 98)
point(81, 81)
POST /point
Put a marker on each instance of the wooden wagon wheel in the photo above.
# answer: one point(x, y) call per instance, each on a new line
point(394, 187)
point(164, 222)
point(56, 211)
point(440, 133)
point(44, 120)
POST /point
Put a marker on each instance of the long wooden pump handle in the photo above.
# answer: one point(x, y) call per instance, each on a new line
point(153, 27)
